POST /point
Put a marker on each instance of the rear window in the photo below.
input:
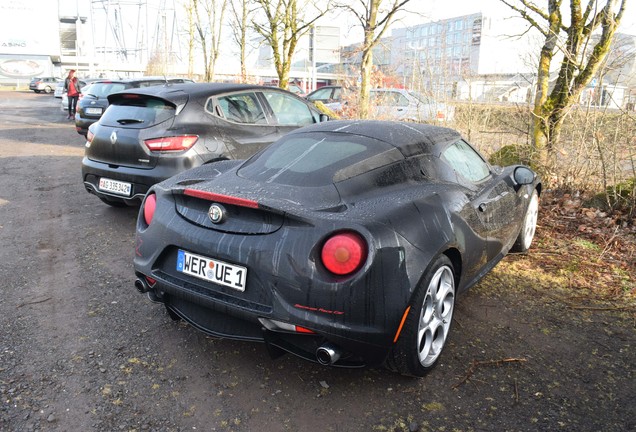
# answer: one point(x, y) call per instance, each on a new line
point(103, 89)
point(311, 159)
point(138, 112)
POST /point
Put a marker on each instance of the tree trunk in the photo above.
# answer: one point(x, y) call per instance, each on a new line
point(365, 83)
point(366, 66)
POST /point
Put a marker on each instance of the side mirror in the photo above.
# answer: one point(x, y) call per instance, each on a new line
point(324, 118)
point(523, 175)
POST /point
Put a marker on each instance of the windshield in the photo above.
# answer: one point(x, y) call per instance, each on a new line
point(310, 159)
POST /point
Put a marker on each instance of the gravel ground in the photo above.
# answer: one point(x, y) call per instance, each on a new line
point(81, 350)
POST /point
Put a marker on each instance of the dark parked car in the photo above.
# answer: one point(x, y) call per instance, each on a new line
point(345, 243)
point(95, 99)
point(332, 97)
point(43, 84)
point(326, 95)
point(148, 135)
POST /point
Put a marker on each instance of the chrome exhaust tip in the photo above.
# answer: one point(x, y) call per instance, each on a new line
point(328, 354)
point(142, 286)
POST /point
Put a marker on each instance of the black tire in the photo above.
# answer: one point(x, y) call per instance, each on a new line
point(428, 322)
point(113, 202)
point(529, 225)
point(37, 91)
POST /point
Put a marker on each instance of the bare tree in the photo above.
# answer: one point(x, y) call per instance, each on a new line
point(374, 19)
point(189, 8)
point(285, 23)
point(208, 21)
point(582, 56)
point(240, 21)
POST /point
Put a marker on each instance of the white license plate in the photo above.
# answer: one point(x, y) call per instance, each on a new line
point(212, 270)
point(94, 111)
point(115, 186)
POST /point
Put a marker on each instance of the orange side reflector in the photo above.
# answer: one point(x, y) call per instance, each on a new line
point(399, 330)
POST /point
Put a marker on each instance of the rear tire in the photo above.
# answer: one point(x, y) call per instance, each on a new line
point(428, 322)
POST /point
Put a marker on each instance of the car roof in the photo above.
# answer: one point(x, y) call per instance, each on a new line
point(174, 92)
point(410, 138)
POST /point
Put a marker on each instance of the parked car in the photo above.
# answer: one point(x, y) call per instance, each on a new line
point(400, 104)
point(296, 89)
point(59, 89)
point(61, 93)
point(345, 242)
point(95, 101)
point(43, 84)
point(147, 135)
point(331, 96)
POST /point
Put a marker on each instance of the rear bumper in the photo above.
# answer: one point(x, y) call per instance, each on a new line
point(141, 179)
point(82, 124)
point(223, 319)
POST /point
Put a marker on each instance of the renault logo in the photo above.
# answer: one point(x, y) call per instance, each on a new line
point(113, 137)
point(216, 213)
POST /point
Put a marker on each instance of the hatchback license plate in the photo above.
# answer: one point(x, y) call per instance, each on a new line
point(212, 270)
point(94, 111)
point(115, 186)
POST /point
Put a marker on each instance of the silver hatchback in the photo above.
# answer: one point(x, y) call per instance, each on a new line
point(400, 104)
point(43, 84)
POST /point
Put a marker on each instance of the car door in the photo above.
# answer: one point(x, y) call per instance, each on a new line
point(288, 112)
point(493, 200)
point(244, 125)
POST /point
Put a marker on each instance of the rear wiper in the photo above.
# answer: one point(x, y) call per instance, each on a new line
point(92, 95)
point(129, 121)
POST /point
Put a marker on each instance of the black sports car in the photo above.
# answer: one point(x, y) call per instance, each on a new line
point(344, 242)
point(147, 135)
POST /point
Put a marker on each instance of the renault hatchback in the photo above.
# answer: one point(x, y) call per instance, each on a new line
point(148, 135)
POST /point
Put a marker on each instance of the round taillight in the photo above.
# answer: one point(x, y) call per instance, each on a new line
point(344, 253)
point(149, 208)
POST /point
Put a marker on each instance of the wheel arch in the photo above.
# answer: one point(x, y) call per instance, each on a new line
point(455, 258)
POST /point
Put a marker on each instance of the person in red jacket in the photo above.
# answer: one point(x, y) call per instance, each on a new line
point(73, 88)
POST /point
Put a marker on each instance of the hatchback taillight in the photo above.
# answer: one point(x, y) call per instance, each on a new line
point(174, 143)
point(89, 136)
point(344, 253)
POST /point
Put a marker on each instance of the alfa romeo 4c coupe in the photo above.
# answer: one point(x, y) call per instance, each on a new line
point(345, 243)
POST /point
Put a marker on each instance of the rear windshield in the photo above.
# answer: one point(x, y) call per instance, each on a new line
point(311, 159)
point(138, 112)
point(103, 89)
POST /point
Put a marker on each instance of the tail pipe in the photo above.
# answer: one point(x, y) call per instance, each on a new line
point(142, 286)
point(327, 354)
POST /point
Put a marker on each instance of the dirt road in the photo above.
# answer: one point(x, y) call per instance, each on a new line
point(82, 350)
